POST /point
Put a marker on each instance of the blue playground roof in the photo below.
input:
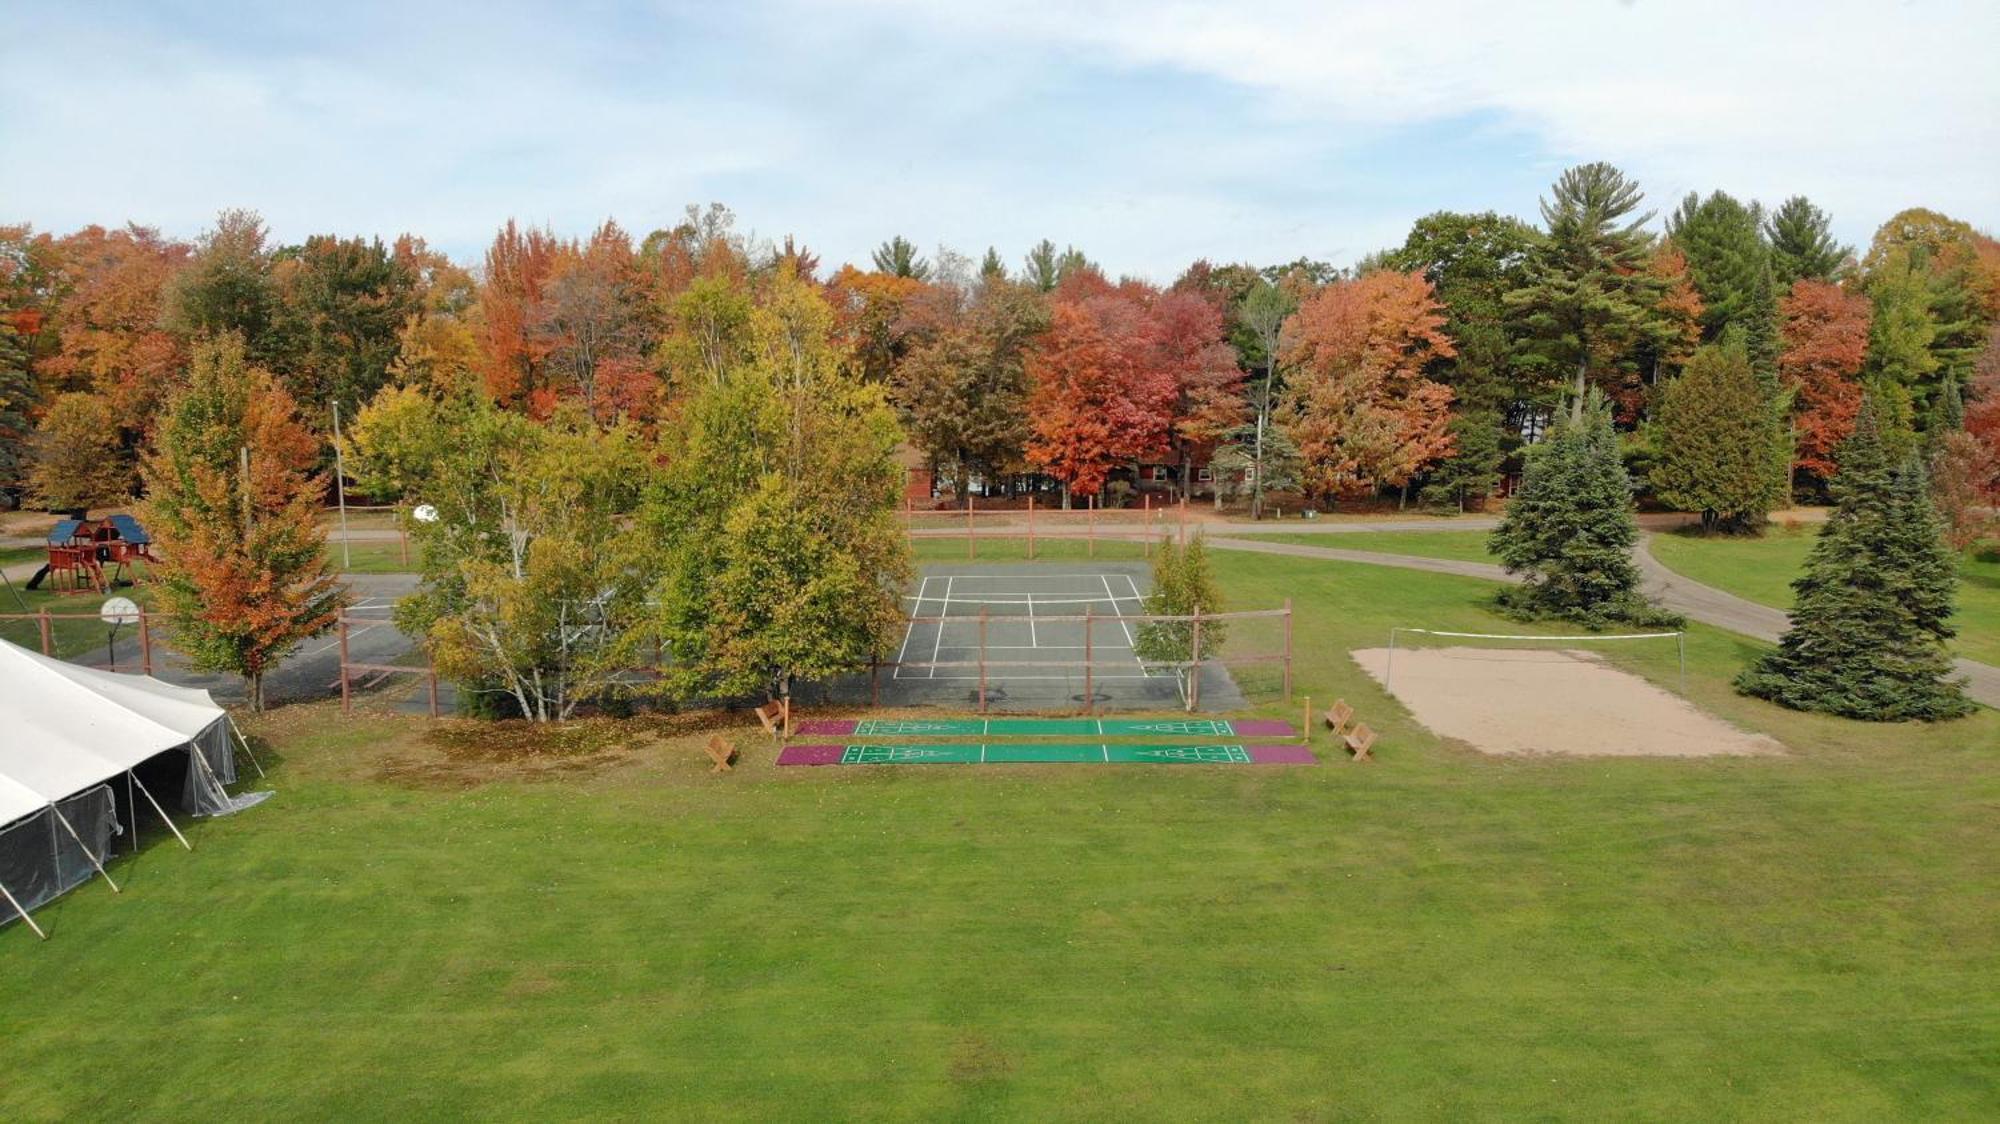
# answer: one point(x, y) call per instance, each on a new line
point(64, 531)
point(128, 529)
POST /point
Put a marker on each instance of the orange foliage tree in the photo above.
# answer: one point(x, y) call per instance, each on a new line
point(1359, 406)
point(1189, 349)
point(110, 340)
point(1824, 334)
point(518, 268)
point(233, 504)
point(1095, 400)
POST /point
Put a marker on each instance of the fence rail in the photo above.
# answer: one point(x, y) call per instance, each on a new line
point(1146, 524)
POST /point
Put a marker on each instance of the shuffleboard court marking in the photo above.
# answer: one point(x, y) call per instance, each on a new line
point(1029, 754)
point(1050, 727)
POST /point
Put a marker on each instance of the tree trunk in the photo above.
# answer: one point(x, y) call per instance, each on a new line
point(1582, 370)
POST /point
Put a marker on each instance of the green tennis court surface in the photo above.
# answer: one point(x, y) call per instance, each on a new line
point(1043, 754)
point(1044, 727)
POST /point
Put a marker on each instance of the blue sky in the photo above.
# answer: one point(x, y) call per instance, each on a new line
point(1148, 134)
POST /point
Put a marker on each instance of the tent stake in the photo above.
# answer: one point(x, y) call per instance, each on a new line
point(64, 820)
point(133, 777)
point(23, 913)
point(245, 742)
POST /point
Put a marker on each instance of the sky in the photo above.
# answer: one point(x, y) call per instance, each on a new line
point(1147, 133)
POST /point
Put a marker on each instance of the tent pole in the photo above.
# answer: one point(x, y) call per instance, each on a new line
point(64, 820)
point(194, 750)
point(130, 776)
point(245, 742)
point(23, 913)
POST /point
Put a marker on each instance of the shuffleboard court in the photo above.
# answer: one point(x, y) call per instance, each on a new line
point(1017, 753)
point(975, 727)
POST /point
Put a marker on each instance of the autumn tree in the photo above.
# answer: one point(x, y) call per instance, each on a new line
point(1095, 400)
point(1803, 247)
point(781, 557)
point(1872, 612)
point(29, 286)
point(111, 340)
point(1825, 340)
point(233, 504)
point(963, 391)
point(227, 287)
point(707, 333)
point(338, 308)
point(534, 570)
point(519, 266)
point(78, 460)
point(1358, 402)
point(591, 326)
point(1187, 347)
point(1722, 448)
point(1585, 295)
point(1674, 330)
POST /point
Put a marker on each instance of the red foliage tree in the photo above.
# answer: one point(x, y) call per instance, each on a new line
point(1824, 334)
point(519, 265)
point(1096, 401)
point(1189, 349)
point(1359, 406)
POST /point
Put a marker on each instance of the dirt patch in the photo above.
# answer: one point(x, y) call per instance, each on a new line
point(1567, 702)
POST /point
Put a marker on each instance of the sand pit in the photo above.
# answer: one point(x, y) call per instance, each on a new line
point(1517, 701)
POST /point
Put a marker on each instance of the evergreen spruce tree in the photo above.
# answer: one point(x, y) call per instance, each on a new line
point(1569, 531)
point(1802, 244)
point(1874, 605)
point(1719, 430)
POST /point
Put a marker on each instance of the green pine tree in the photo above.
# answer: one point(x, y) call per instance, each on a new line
point(1569, 531)
point(1874, 605)
point(1719, 430)
point(1802, 244)
point(1724, 243)
point(1585, 288)
point(1473, 469)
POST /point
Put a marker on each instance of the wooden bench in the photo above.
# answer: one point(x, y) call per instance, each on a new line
point(1360, 741)
point(776, 717)
point(1338, 716)
point(720, 752)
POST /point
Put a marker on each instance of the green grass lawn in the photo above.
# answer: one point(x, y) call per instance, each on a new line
point(420, 928)
point(19, 555)
point(73, 624)
point(1458, 546)
point(1762, 569)
point(369, 557)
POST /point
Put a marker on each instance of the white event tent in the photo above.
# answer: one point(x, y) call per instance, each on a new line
point(68, 735)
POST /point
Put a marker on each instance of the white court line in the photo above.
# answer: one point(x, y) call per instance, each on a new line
point(940, 626)
point(335, 643)
point(1115, 608)
point(1033, 640)
point(911, 630)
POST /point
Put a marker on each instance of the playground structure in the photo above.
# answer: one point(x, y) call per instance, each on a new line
point(82, 550)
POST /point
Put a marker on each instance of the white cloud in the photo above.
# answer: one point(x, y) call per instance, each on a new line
point(1868, 107)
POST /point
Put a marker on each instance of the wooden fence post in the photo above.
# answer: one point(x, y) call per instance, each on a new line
point(874, 680)
point(145, 643)
point(1090, 526)
point(1288, 649)
point(47, 648)
point(1031, 528)
point(1146, 524)
point(971, 533)
point(431, 661)
point(1183, 520)
point(346, 696)
point(1089, 681)
point(1194, 673)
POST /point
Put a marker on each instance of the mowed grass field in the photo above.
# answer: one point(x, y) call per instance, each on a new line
point(424, 923)
point(1762, 569)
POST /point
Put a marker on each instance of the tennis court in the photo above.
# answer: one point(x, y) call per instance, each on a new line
point(1036, 637)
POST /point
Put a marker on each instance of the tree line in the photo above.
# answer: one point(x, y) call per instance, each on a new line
point(615, 431)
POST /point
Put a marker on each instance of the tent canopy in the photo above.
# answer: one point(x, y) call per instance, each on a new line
point(67, 728)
